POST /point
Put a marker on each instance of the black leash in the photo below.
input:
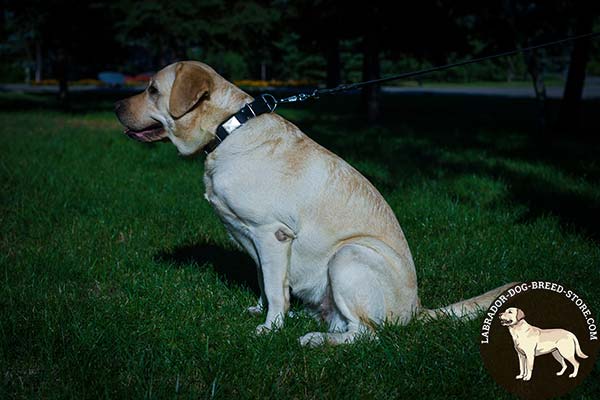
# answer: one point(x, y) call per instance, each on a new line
point(342, 88)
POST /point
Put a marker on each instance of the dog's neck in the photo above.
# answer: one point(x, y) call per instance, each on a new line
point(221, 106)
point(264, 104)
point(520, 326)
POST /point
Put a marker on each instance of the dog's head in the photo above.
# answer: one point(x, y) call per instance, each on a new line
point(511, 316)
point(184, 102)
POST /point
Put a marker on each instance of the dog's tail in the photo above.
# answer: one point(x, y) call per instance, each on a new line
point(467, 308)
point(580, 353)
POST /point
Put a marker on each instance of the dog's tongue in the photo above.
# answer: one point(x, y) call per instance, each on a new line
point(138, 133)
point(150, 134)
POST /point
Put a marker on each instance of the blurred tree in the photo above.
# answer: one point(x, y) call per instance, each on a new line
point(382, 28)
point(320, 25)
point(428, 31)
point(506, 24)
point(569, 117)
point(221, 31)
point(316, 39)
point(293, 61)
point(19, 37)
point(166, 28)
point(73, 33)
point(252, 29)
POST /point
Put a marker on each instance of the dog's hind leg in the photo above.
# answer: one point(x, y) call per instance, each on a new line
point(566, 347)
point(361, 288)
point(571, 358)
point(556, 354)
point(318, 338)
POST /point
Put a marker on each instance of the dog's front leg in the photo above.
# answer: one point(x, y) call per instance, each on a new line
point(260, 305)
point(529, 361)
point(274, 256)
point(521, 365)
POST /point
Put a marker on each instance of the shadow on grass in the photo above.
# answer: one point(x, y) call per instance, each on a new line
point(235, 267)
point(576, 210)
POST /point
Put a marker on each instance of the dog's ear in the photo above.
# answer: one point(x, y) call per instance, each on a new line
point(192, 84)
point(520, 314)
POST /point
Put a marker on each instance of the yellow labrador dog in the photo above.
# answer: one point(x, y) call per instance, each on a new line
point(531, 341)
point(311, 222)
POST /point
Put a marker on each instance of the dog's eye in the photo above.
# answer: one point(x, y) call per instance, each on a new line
point(152, 89)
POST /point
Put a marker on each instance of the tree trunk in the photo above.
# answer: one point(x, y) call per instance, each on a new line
point(510, 69)
point(263, 71)
point(334, 63)
point(535, 69)
point(38, 61)
point(371, 94)
point(570, 106)
point(62, 74)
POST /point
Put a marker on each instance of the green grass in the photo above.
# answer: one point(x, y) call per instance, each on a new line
point(119, 281)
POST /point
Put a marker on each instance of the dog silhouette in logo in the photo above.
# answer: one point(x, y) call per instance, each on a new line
point(531, 341)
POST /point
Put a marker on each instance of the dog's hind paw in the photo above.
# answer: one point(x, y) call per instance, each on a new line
point(312, 339)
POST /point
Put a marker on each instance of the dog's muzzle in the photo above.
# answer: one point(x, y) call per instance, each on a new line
point(151, 133)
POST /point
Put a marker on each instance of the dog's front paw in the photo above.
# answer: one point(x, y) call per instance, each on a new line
point(255, 310)
point(573, 375)
point(519, 377)
point(312, 339)
point(263, 329)
point(527, 377)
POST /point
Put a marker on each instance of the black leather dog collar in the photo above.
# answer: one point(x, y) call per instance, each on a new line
point(262, 105)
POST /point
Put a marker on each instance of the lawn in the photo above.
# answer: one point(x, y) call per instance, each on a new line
point(118, 280)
